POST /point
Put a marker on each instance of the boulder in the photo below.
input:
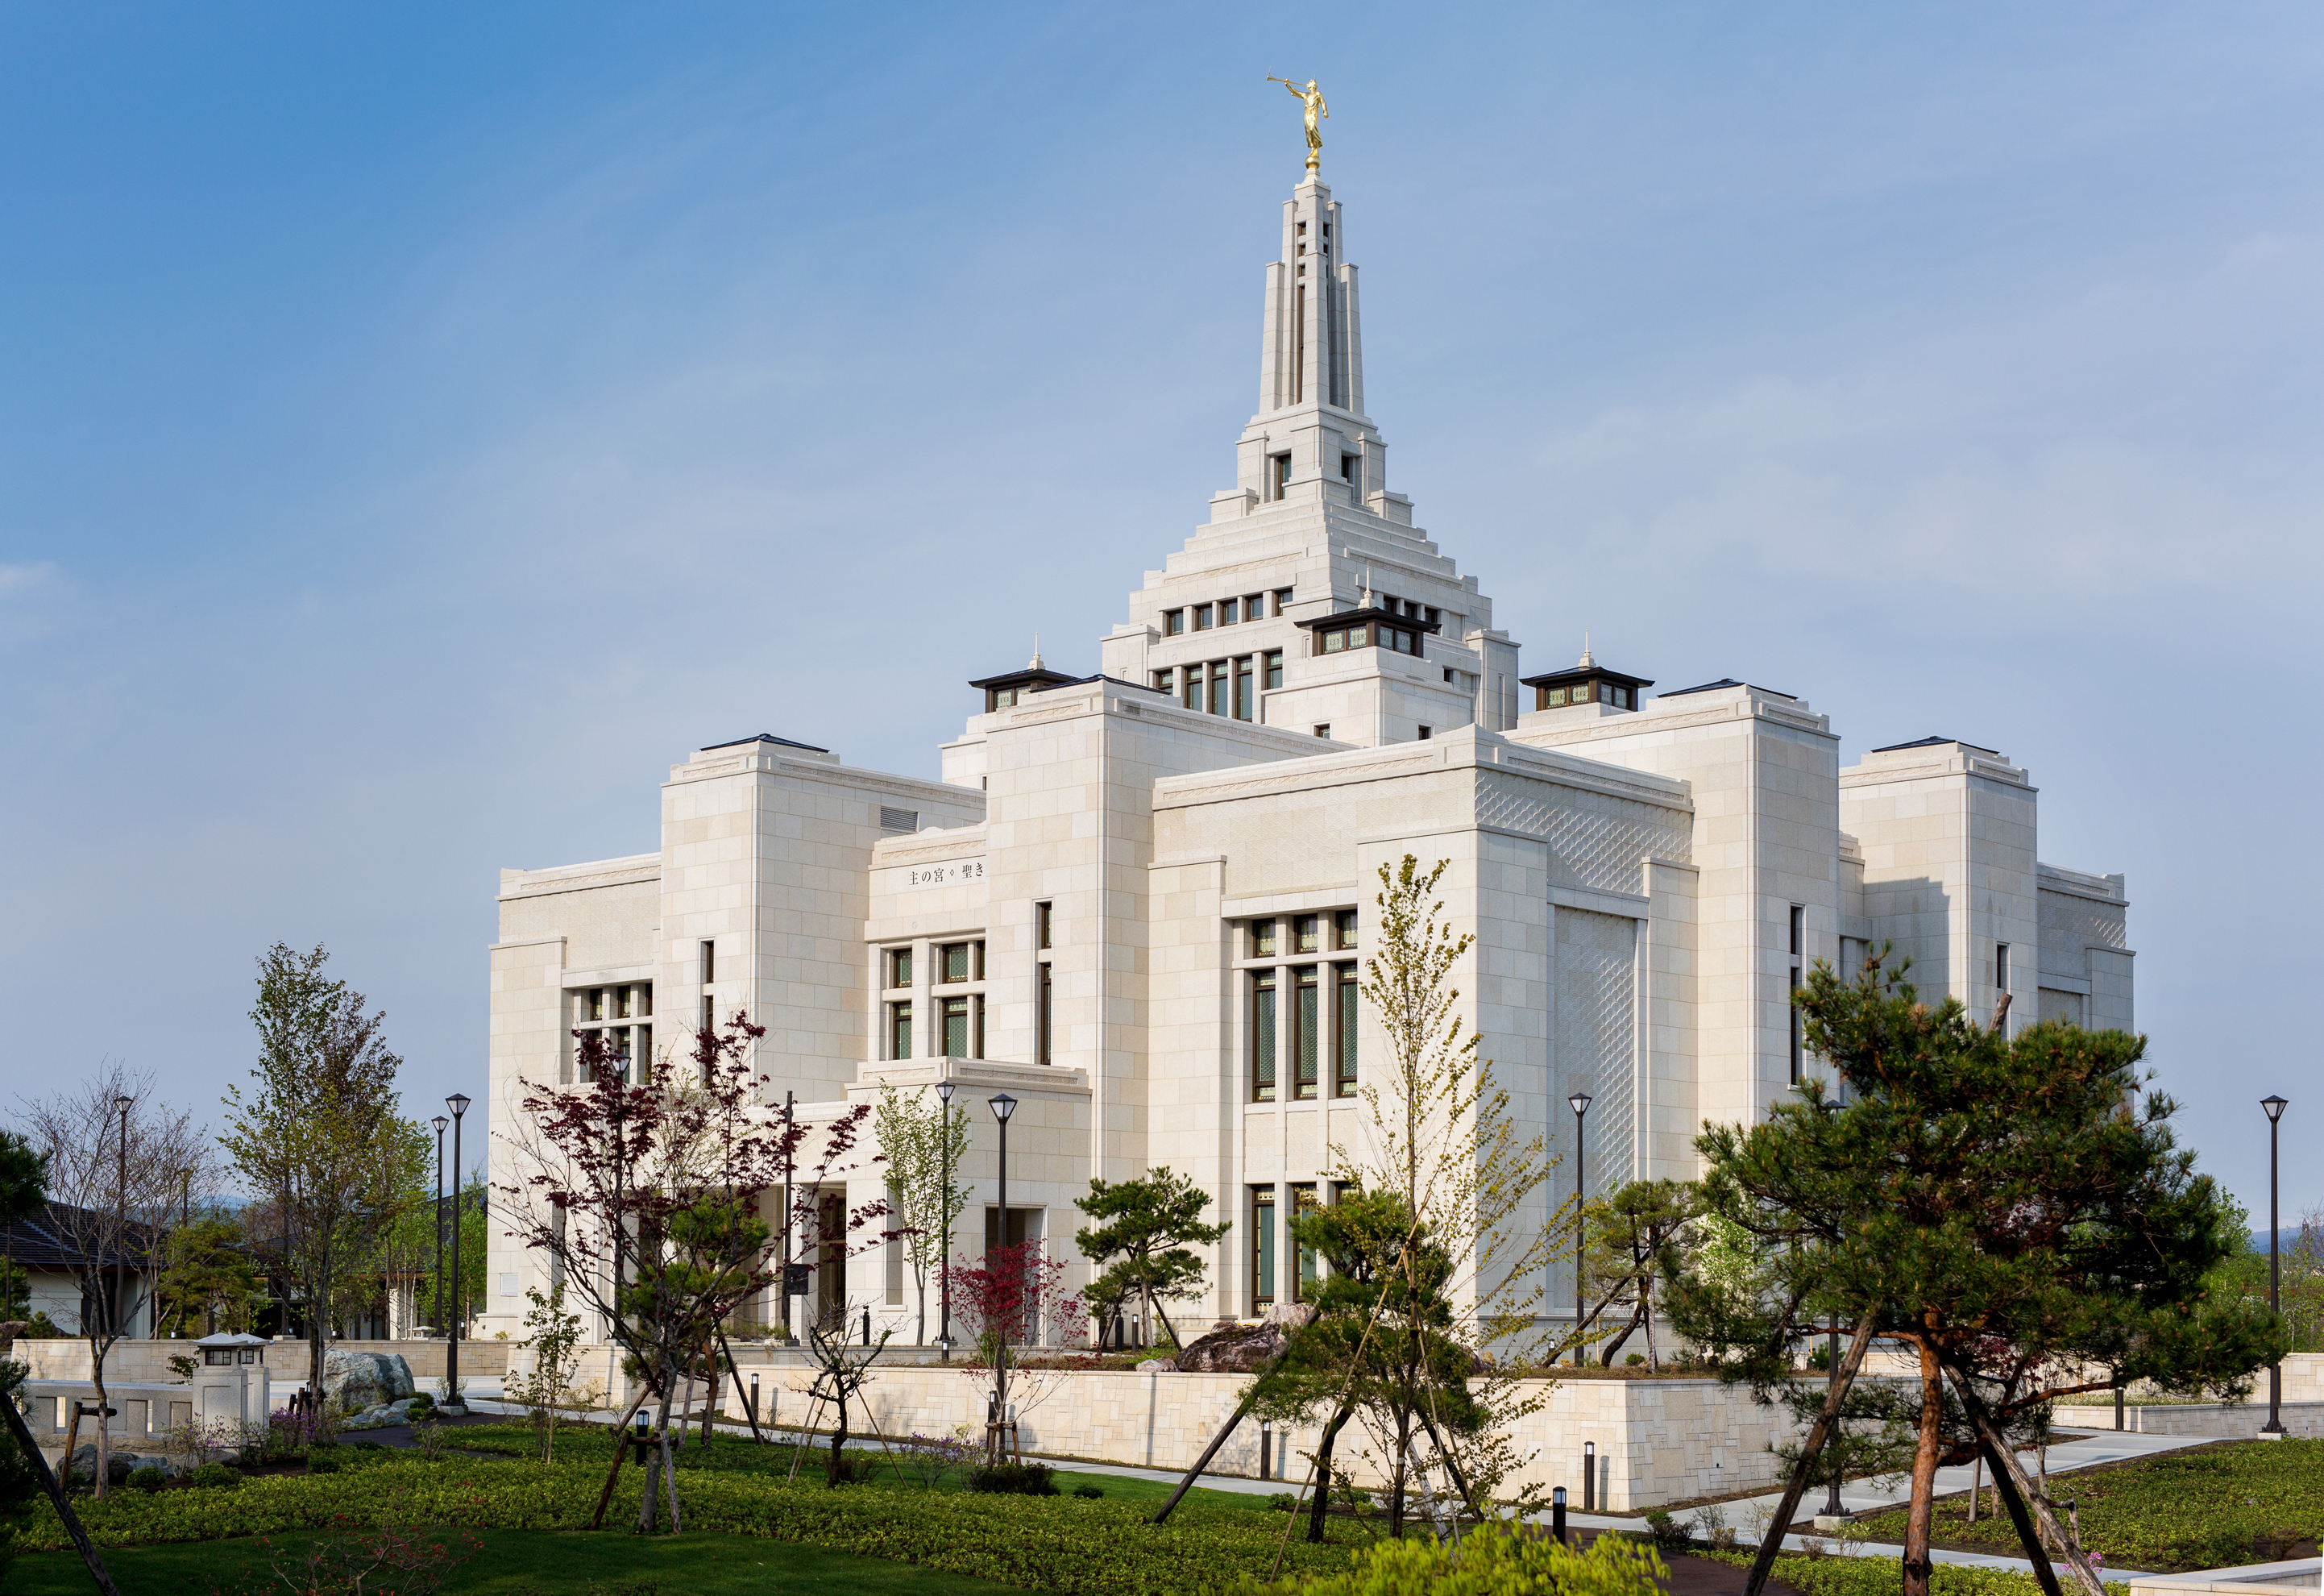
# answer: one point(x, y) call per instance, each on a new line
point(353, 1381)
point(1244, 1348)
point(1156, 1366)
point(123, 1462)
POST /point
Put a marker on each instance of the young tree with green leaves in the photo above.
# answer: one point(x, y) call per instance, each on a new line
point(1152, 1222)
point(1440, 1143)
point(554, 1340)
point(1994, 1203)
point(924, 1141)
point(320, 1134)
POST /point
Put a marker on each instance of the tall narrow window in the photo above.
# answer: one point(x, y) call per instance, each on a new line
point(955, 1027)
point(1262, 1036)
point(1278, 476)
point(1228, 610)
point(1347, 468)
point(1283, 599)
point(1308, 933)
point(709, 963)
point(1299, 344)
point(1799, 941)
point(1174, 623)
point(1343, 928)
point(1045, 1018)
point(1192, 687)
point(1218, 687)
point(899, 966)
point(1343, 1029)
point(1165, 681)
point(955, 963)
point(1043, 927)
point(1275, 668)
point(1244, 701)
point(1263, 939)
point(900, 1030)
point(976, 1028)
point(1306, 1264)
point(1202, 613)
point(894, 1260)
point(1305, 1043)
point(2001, 966)
point(1262, 1246)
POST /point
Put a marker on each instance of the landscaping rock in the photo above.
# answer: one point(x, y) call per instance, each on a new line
point(121, 1463)
point(353, 1381)
point(379, 1416)
point(1244, 1349)
point(1156, 1366)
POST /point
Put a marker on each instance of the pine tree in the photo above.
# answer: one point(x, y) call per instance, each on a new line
point(1152, 1220)
point(1993, 1204)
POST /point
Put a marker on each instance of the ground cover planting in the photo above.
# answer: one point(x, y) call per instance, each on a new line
point(1065, 1542)
point(1881, 1576)
point(529, 1563)
point(2212, 1507)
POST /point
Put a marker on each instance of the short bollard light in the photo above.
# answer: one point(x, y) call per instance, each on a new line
point(1589, 1476)
point(1557, 1514)
point(1266, 1449)
point(644, 1436)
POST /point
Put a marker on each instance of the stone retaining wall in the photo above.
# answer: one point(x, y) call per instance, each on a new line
point(1657, 1441)
point(286, 1360)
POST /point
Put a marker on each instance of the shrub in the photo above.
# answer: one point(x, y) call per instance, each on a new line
point(1634, 1359)
point(1089, 1492)
point(323, 1461)
point(420, 1403)
point(1495, 1559)
point(216, 1475)
point(1283, 1501)
point(1015, 1480)
point(149, 1478)
point(1667, 1532)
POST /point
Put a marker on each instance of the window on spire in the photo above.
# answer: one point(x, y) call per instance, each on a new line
point(1278, 476)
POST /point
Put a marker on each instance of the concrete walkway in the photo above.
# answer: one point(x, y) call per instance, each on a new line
point(2076, 1449)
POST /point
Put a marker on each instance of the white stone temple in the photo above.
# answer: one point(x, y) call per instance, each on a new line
point(1137, 901)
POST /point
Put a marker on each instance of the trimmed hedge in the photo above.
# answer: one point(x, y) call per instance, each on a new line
point(1038, 1543)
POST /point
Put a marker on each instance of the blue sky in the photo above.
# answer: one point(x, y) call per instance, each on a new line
point(422, 425)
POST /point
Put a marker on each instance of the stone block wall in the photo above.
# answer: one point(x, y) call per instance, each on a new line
point(1657, 1441)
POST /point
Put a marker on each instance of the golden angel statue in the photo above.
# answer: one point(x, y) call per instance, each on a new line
point(1313, 98)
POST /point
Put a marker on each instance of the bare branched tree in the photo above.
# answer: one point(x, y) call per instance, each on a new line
point(120, 1163)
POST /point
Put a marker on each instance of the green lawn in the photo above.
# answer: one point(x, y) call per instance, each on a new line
point(749, 1520)
point(519, 1562)
point(2213, 1507)
point(746, 1456)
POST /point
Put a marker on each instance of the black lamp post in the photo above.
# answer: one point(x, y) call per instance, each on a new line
point(440, 1122)
point(121, 1213)
point(458, 1104)
point(2274, 1106)
point(1002, 1106)
point(1580, 1103)
point(943, 1255)
point(1832, 1506)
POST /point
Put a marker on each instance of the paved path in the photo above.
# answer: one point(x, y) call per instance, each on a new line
point(2078, 1449)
